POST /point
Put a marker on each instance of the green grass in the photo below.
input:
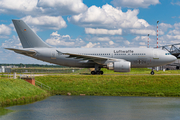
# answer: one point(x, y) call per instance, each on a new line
point(139, 83)
point(83, 71)
point(141, 71)
point(16, 91)
point(114, 85)
point(134, 71)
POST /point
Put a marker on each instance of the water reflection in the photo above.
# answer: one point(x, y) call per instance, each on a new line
point(98, 107)
point(4, 111)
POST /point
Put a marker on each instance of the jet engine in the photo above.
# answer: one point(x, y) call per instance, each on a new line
point(119, 66)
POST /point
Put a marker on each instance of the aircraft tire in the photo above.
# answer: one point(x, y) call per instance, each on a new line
point(98, 72)
point(93, 72)
point(177, 67)
point(152, 72)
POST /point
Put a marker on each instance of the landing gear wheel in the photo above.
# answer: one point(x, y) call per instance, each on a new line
point(93, 72)
point(152, 72)
point(97, 72)
point(177, 67)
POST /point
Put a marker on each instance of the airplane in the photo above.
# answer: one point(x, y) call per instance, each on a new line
point(117, 59)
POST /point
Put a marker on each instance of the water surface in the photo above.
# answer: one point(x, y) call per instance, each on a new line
point(98, 108)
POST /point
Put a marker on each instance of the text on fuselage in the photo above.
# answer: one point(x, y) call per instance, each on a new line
point(123, 51)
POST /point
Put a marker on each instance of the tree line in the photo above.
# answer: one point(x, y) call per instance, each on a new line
point(33, 65)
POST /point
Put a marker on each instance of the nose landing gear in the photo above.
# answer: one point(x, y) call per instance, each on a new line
point(152, 72)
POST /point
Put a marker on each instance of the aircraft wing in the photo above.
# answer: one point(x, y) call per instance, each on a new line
point(96, 59)
point(22, 51)
point(85, 57)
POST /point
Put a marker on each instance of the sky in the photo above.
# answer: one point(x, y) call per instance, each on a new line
point(89, 24)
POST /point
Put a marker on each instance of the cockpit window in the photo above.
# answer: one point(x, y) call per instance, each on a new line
point(167, 53)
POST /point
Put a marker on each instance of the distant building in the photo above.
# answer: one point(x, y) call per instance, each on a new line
point(7, 69)
point(2, 69)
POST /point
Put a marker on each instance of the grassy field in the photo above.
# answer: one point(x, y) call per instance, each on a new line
point(15, 91)
point(138, 82)
point(114, 85)
point(134, 71)
point(141, 71)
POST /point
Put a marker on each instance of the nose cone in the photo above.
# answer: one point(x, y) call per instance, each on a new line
point(166, 58)
point(172, 58)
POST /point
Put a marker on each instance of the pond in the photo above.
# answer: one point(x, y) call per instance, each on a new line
point(97, 108)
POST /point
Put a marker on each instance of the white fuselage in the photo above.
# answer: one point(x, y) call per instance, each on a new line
point(117, 59)
point(139, 57)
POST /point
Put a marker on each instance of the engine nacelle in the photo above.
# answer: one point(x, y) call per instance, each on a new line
point(121, 66)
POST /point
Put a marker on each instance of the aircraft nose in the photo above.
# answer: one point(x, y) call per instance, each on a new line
point(172, 58)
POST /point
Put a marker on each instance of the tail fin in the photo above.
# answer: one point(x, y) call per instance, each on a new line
point(27, 37)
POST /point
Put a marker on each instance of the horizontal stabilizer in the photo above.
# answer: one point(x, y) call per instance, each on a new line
point(22, 51)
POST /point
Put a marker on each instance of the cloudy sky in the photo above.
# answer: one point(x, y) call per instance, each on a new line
point(89, 24)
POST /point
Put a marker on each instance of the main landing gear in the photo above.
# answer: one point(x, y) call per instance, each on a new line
point(97, 70)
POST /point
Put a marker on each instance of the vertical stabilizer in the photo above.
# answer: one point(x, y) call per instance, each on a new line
point(27, 37)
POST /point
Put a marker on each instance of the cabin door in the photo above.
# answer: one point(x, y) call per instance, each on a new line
point(155, 54)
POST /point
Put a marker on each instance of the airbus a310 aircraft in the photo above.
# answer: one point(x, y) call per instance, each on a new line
point(117, 59)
